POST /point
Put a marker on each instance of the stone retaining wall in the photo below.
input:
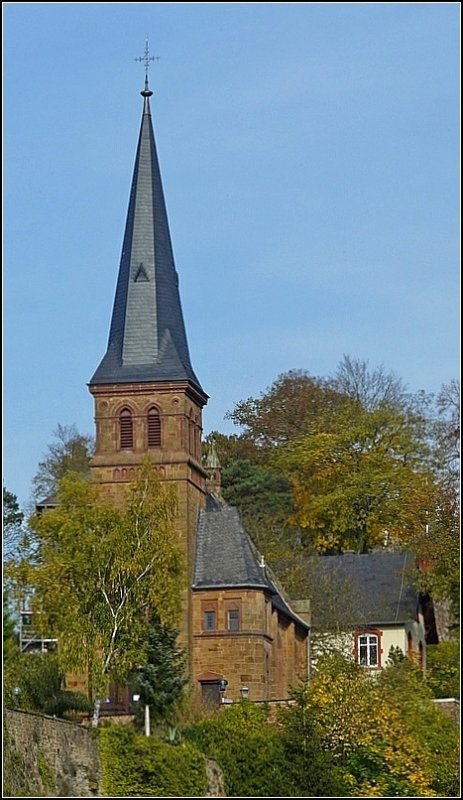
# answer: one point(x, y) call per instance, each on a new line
point(48, 757)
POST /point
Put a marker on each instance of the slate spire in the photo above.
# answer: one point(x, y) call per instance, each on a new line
point(147, 339)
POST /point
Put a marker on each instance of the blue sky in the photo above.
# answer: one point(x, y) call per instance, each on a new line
point(310, 160)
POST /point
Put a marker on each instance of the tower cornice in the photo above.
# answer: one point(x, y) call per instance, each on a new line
point(150, 387)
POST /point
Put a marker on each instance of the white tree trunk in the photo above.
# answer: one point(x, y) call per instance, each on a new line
point(147, 720)
point(96, 712)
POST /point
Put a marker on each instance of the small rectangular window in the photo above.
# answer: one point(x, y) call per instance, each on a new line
point(209, 621)
point(233, 619)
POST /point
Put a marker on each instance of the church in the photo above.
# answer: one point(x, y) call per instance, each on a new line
point(238, 626)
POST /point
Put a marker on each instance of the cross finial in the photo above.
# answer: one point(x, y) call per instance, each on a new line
point(145, 59)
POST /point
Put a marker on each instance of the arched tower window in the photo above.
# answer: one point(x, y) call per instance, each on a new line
point(126, 429)
point(154, 428)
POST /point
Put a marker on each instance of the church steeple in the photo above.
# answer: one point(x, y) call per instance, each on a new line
point(147, 339)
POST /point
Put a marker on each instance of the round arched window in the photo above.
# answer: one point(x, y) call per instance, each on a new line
point(126, 429)
point(154, 428)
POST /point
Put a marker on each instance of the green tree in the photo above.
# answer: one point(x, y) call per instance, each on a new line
point(13, 519)
point(34, 682)
point(69, 452)
point(228, 447)
point(98, 570)
point(160, 679)
point(309, 766)
point(402, 687)
point(10, 644)
point(133, 765)
point(264, 500)
point(248, 749)
point(443, 668)
point(256, 490)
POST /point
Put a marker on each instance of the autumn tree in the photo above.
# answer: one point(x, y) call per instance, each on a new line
point(285, 410)
point(371, 388)
point(437, 544)
point(400, 685)
point(366, 462)
point(447, 435)
point(70, 451)
point(361, 479)
point(384, 736)
point(98, 571)
point(443, 668)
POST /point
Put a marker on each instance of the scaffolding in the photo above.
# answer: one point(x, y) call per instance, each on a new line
point(30, 640)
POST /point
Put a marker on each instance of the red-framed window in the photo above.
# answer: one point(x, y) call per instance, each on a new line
point(367, 648)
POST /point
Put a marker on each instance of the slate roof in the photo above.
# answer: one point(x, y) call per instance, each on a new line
point(226, 557)
point(49, 502)
point(147, 338)
point(373, 588)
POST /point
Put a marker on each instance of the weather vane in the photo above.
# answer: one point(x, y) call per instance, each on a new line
point(145, 59)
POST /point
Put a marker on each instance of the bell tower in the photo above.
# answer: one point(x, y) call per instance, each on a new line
point(148, 400)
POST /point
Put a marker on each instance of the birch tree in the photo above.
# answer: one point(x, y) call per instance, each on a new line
point(97, 572)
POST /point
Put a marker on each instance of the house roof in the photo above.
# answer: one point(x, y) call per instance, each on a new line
point(226, 557)
point(147, 339)
point(367, 589)
point(51, 501)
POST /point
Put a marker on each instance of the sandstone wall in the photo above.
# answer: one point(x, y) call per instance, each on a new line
point(48, 757)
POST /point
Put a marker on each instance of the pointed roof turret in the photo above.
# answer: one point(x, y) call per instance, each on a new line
point(147, 339)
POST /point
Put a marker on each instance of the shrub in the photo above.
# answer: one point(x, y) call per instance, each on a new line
point(443, 669)
point(133, 765)
point(248, 749)
point(435, 734)
point(310, 768)
point(38, 678)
